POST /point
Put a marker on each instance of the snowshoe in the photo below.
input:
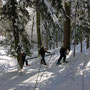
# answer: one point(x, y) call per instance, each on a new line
point(27, 65)
point(58, 63)
point(65, 61)
point(42, 62)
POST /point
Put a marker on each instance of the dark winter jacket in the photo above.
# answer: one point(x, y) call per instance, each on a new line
point(63, 51)
point(42, 51)
point(23, 56)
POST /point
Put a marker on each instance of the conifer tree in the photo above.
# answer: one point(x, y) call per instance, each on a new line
point(19, 40)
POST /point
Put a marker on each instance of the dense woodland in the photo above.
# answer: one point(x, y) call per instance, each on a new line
point(28, 24)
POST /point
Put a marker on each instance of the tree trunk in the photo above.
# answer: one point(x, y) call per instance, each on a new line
point(56, 40)
point(81, 42)
point(0, 3)
point(89, 9)
point(38, 29)
point(67, 26)
point(32, 30)
point(47, 42)
point(87, 42)
point(89, 22)
point(61, 36)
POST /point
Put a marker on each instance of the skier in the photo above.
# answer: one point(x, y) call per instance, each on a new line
point(63, 52)
point(23, 55)
point(42, 53)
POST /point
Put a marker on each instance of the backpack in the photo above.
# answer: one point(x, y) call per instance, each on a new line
point(61, 49)
point(40, 51)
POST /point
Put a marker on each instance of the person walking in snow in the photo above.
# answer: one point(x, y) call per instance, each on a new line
point(23, 55)
point(63, 52)
point(42, 53)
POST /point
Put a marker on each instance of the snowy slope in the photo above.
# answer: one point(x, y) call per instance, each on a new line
point(72, 76)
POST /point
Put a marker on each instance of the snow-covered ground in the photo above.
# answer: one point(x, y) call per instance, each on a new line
point(72, 76)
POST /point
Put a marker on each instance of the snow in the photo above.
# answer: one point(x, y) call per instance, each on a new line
point(72, 76)
point(52, 13)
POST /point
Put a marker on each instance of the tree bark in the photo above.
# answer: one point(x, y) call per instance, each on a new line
point(0, 3)
point(67, 26)
point(32, 30)
point(56, 40)
point(89, 22)
point(38, 29)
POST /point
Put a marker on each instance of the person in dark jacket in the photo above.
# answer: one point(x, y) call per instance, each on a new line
point(42, 53)
point(23, 55)
point(63, 52)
